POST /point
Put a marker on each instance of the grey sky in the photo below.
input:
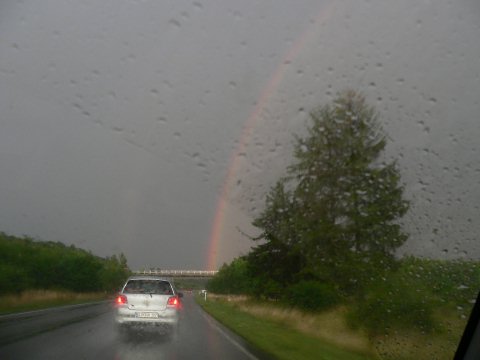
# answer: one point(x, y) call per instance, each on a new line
point(119, 119)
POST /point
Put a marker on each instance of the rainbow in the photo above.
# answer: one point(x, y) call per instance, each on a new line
point(267, 92)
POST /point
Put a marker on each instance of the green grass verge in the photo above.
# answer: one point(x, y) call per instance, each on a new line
point(42, 299)
point(275, 338)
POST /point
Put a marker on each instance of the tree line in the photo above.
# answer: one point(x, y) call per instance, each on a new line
point(27, 264)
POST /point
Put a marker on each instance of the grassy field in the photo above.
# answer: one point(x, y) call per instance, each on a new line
point(418, 311)
point(41, 299)
point(406, 344)
point(289, 335)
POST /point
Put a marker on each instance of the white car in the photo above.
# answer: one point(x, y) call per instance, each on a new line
point(147, 302)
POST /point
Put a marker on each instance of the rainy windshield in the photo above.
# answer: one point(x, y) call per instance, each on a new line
point(312, 163)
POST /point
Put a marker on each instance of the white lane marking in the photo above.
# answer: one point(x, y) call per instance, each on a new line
point(212, 321)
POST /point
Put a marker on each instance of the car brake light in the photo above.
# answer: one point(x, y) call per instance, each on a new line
point(121, 300)
point(173, 301)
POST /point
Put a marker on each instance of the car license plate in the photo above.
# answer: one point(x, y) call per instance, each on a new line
point(148, 315)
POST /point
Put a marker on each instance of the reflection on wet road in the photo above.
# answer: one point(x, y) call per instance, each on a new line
point(93, 337)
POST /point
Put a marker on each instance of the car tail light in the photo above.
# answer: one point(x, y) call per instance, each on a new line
point(121, 300)
point(173, 301)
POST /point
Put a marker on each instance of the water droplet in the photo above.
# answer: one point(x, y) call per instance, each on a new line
point(175, 23)
point(117, 129)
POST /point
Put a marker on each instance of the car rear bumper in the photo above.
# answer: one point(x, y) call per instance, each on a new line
point(131, 318)
point(152, 322)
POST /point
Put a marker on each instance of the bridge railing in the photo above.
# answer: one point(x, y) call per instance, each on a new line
point(177, 273)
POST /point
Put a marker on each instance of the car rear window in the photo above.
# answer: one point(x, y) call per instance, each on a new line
point(148, 287)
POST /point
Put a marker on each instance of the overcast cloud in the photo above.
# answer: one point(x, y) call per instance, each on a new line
point(119, 120)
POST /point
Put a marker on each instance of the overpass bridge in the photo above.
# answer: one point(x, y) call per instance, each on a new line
point(178, 273)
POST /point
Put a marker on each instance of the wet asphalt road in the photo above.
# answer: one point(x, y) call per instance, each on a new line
point(87, 332)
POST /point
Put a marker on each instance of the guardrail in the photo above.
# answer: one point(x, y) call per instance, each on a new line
point(178, 273)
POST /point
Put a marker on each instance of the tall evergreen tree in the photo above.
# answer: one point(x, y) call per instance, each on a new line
point(346, 201)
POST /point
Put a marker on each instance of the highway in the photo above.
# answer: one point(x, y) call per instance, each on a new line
point(87, 332)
